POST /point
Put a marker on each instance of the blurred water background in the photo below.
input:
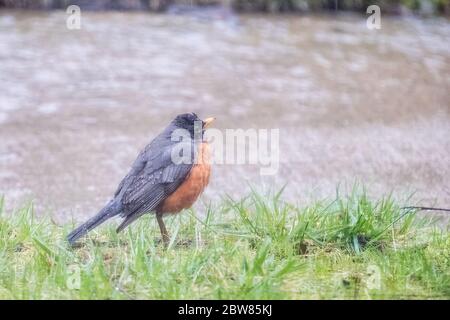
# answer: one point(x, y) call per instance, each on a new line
point(352, 104)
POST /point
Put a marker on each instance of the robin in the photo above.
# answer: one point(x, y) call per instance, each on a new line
point(167, 177)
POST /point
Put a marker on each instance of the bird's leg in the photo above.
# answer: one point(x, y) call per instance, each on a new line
point(162, 227)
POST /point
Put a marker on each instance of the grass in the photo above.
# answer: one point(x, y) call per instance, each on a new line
point(259, 247)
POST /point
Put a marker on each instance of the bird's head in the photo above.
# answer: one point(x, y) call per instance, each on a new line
point(192, 123)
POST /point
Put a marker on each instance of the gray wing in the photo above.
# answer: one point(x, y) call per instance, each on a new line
point(151, 180)
point(151, 151)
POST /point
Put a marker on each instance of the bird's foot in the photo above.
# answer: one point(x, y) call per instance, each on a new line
point(183, 243)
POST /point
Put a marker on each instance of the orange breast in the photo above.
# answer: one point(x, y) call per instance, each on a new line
point(192, 187)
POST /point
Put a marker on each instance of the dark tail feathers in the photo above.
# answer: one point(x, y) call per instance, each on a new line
point(110, 210)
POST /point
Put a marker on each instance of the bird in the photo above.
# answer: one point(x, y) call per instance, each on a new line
point(168, 175)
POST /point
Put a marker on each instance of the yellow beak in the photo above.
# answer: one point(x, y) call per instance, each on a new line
point(207, 122)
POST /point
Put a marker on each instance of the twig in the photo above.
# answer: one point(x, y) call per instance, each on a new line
point(425, 208)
